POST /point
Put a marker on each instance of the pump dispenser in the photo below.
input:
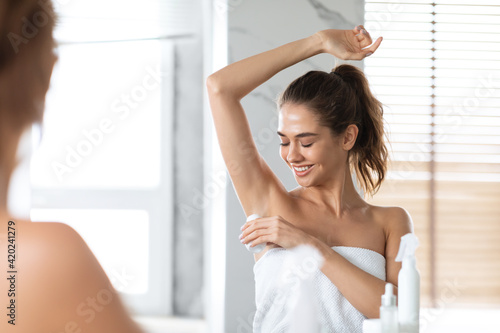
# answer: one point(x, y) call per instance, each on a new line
point(408, 285)
point(389, 311)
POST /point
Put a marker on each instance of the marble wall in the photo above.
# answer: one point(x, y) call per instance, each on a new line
point(255, 26)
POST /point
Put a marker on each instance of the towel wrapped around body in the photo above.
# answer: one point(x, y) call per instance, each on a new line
point(276, 291)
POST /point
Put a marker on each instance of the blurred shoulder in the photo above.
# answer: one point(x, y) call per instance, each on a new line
point(60, 248)
point(49, 233)
point(48, 248)
point(64, 283)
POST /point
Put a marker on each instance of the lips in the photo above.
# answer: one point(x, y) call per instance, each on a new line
point(302, 170)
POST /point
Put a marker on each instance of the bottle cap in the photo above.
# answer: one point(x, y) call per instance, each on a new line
point(407, 247)
point(389, 299)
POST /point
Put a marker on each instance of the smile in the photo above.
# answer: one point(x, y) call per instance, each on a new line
point(302, 170)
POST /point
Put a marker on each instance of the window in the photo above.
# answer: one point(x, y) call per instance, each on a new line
point(437, 74)
point(104, 164)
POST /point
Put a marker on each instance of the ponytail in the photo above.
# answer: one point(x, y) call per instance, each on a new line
point(342, 98)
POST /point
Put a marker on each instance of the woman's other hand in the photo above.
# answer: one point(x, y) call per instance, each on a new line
point(274, 229)
point(348, 44)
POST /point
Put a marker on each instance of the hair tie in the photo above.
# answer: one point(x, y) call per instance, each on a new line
point(338, 74)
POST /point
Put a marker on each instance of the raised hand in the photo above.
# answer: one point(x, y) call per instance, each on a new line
point(355, 44)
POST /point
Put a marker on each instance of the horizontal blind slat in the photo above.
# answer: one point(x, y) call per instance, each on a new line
point(443, 71)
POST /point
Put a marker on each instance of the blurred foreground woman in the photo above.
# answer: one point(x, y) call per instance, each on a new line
point(50, 280)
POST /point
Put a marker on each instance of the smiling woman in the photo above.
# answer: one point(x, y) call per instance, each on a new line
point(342, 102)
point(330, 125)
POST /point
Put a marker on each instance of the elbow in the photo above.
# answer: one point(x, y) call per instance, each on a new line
point(213, 84)
point(221, 87)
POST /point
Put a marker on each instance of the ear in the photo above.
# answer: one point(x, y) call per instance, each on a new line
point(350, 135)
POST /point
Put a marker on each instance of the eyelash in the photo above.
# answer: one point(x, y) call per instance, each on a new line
point(286, 144)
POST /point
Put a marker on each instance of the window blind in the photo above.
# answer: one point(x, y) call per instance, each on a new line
point(438, 74)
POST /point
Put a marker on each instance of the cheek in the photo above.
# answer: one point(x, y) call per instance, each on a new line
point(321, 155)
point(313, 154)
point(283, 152)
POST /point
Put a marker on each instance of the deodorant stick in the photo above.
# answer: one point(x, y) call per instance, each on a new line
point(260, 247)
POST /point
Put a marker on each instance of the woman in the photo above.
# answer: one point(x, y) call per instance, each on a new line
point(329, 125)
point(54, 283)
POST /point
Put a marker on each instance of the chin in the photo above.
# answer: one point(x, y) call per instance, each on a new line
point(304, 182)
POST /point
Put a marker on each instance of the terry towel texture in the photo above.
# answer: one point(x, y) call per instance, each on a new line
point(274, 293)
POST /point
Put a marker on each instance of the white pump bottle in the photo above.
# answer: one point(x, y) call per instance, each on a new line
point(408, 285)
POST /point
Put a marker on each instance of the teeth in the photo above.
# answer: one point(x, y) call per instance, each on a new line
point(302, 168)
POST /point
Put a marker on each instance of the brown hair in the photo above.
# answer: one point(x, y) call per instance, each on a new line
point(26, 46)
point(26, 42)
point(339, 99)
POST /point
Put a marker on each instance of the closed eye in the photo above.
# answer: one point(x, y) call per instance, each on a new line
point(285, 144)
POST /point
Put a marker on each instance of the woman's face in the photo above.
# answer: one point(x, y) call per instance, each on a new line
point(308, 148)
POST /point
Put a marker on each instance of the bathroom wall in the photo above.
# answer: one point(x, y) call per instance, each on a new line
point(255, 26)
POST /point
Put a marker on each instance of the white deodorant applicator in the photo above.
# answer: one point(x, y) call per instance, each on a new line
point(260, 247)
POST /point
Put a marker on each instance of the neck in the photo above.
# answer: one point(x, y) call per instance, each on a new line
point(4, 186)
point(339, 195)
point(8, 151)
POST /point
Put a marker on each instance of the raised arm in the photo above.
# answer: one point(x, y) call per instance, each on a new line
point(253, 180)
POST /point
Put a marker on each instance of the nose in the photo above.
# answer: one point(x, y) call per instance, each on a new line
point(294, 154)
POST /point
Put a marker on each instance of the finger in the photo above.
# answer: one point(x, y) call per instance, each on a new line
point(357, 31)
point(267, 228)
point(257, 220)
point(254, 225)
point(365, 33)
point(248, 223)
point(370, 50)
point(254, 235)
point(265, 219)
point(258, 241)
point(365, 39)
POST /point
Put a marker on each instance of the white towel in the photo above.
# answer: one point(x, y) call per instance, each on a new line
point(276, 290)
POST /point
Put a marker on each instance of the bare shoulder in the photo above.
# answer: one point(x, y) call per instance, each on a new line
point(61, 261)
point(64, 277)
point(56, 241)
point(392, 219)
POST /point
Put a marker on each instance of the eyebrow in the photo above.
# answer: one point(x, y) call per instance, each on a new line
point(300, 135)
